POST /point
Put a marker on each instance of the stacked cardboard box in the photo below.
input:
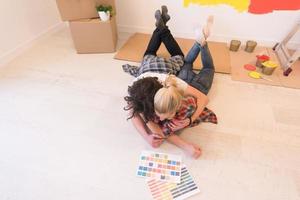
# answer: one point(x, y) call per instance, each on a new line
point(89, 33)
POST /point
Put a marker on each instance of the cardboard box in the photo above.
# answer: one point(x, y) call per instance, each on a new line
point(80, 9)
point(94, 35)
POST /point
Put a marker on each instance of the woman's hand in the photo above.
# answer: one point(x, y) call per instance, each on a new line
point(193, 150)
point(155, 140)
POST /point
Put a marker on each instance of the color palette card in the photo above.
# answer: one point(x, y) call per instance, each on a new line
point(168, 191)
point(160, 166)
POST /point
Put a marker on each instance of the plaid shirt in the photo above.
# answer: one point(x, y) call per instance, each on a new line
point(188, 107)
point(151, 63)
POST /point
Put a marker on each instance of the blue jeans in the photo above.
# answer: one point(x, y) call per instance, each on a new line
point(202, 80)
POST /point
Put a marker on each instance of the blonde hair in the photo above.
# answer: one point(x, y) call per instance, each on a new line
point(168, 98)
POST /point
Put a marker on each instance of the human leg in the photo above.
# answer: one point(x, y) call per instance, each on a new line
point(193, 53)
point(203, 80)
point(154, 43)
point(155, 40)
point(162, 34)
point(166, 36)
point(170, 43)
point(186, 73)
point(203, 33)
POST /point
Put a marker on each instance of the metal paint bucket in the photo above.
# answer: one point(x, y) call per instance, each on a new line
point(268, 67)
point(234, 45)
point(261, 59)
point(250, 46)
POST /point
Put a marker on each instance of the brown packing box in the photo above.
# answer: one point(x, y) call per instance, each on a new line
point(94, 36)
point(80, 9)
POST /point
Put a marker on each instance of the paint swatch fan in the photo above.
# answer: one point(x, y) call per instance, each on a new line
point(178, 191)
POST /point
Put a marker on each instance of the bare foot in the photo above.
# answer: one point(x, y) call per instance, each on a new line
point(193, 150)
point(208, 26)
point(203, 33)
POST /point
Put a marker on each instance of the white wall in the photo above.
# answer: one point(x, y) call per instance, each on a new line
point(22, 21)
point(137, 15)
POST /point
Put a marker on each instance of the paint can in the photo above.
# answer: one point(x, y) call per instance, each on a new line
point(261, 59)
point(250, 46)
point(268, 67)
point(234, 45)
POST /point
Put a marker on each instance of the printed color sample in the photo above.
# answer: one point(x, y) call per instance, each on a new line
point(167, 191)
point(160, 166)
point(251, 6)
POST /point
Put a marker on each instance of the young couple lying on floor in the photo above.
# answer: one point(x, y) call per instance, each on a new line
point(167, 95)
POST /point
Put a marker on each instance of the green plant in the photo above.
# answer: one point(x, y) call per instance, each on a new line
point(105, 8)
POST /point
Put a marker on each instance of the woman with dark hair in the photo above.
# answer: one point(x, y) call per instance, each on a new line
point(141, 95)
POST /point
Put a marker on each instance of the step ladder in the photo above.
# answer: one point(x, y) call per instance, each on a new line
point(286, 59)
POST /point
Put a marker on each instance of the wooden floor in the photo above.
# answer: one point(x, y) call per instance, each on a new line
point(64, 133)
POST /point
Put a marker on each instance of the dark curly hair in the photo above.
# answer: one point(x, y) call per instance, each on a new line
point(140, 97)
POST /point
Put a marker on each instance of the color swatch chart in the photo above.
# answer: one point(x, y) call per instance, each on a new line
point(160, 166)
point(167, 191)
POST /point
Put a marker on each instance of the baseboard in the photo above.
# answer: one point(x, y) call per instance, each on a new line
point(214, 37)
point(10, 55)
